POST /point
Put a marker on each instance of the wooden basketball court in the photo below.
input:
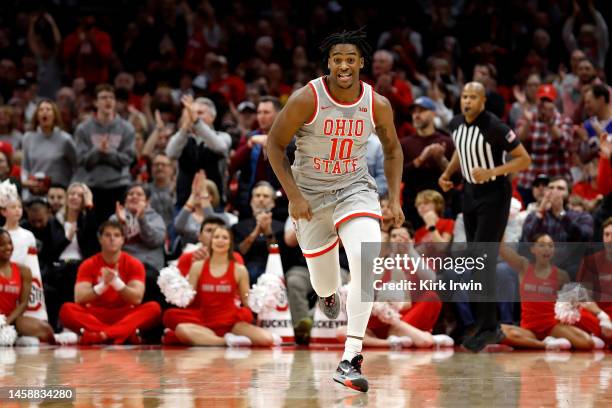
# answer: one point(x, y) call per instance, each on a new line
point(287, 377)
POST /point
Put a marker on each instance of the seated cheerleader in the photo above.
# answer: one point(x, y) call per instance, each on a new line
point(213, 318)
point(539, 283)
point(15, 285)
point(418, 313)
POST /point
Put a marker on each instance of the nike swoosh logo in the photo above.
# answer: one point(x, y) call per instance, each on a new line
point(325, 107)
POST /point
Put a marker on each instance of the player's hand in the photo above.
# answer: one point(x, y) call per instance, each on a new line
point(398, 214)
point(299, 208)
point(481, 175)
point(445, 183)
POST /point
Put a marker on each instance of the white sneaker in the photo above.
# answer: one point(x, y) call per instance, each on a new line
point(234, 340)
point(442, 340)
point(598, 343)
point(554, 343)
point(66, 338)
point(27, 341)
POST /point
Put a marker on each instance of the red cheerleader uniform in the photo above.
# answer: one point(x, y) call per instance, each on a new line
point(538, 297)
point(423, 314)
point(216, 306)
point(10, 290)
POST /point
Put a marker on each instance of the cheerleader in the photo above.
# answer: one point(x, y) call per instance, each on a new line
point(539, 283)
point(15, 286)
point(213, 318)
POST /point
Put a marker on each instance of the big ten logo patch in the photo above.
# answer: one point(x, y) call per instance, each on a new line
point(36, 299)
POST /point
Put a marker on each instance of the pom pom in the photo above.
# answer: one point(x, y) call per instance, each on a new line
point(567, 307)
point(266, 293)
point(8, 193)
point(387, 312)
point(8, 334)
point(175, 287)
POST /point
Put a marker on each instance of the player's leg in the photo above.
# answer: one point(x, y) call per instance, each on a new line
point(319, 243)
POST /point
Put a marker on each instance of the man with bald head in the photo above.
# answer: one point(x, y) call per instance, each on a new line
point(388, 84)
point(481, 140)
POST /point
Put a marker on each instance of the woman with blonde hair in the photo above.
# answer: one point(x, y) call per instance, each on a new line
point(49, 153)
point(213, 318)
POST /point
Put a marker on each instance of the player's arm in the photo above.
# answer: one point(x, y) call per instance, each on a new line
point(299, 108)
point(24, 296)
point(394, 157)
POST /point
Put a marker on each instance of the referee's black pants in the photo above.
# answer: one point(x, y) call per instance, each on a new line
point(485, 214)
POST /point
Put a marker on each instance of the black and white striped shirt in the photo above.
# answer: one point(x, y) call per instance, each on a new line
point(481, 143)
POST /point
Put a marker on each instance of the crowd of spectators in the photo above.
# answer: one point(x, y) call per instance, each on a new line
point(157, 116)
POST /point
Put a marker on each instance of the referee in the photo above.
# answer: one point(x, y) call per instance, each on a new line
point(481, 139)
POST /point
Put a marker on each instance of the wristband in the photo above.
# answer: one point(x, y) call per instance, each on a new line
point(603, 316)
point(117, 284)
point(100, 288)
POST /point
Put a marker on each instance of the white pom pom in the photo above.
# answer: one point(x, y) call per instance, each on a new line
point(265, 294)
point(386, 312)
point(175, 287)
point(8, 193)
point(567, 307)
point(8, 335)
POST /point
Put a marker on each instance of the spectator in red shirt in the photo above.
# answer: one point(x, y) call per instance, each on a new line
point(87, 52)
point(587, 188)
point(389, 84)
point(232, 87)
point(199, 252)
point(108, 294)
point(430, 206)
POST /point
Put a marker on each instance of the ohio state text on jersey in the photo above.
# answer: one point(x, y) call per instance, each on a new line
point(332, 145)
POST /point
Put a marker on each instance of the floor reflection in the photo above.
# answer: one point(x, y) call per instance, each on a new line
point(210, 377)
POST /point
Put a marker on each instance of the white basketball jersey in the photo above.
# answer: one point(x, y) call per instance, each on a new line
point(332, 146)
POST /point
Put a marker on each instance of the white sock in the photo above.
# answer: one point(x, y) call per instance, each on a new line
point(325, 272)
point(66, 338)
point(27, 341)
point(234, 340)
point(278, 340)
point(399, 341)
point(353, 233)
point(554, 343)
point(598, 343)
point(352, 347)
point(442, 340)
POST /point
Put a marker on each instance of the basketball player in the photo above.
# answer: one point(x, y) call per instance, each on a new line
point(481, 140)
point(330, 191)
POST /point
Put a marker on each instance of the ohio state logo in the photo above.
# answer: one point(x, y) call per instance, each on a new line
point(282, 303)
point(36, 299)
point(343, 127)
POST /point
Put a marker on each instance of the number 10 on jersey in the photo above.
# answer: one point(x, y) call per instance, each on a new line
point(340, 148)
